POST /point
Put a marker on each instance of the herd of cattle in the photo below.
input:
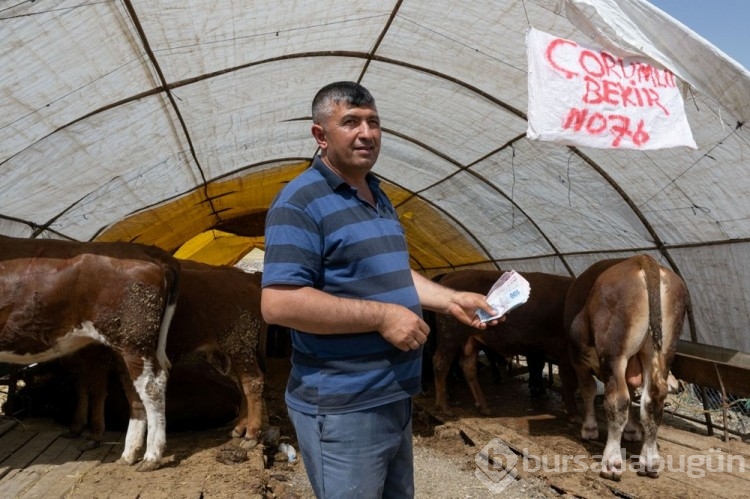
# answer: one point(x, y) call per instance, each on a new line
point(620, 321)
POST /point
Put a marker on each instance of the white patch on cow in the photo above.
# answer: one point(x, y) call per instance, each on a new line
point(161, 349)
point(134, 440)
point(152, 390)
point(76, 339)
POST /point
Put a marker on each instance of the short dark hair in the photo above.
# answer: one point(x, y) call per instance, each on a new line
point(349, 92)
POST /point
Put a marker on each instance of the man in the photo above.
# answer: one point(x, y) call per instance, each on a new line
point(337, 273)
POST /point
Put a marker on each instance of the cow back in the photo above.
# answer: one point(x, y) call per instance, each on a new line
point(12, 248)
point(49, 288)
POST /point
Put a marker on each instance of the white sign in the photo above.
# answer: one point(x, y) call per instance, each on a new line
point(580, 95)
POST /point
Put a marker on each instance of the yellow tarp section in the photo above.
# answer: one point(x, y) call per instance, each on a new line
point(218, 248)
point(173, 223)
point(185, 226)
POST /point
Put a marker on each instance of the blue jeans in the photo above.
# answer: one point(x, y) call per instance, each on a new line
point(364, 454)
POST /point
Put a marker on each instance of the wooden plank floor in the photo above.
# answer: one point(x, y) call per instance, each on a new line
point(36, 461)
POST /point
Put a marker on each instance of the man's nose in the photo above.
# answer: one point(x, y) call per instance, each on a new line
point(365, 131)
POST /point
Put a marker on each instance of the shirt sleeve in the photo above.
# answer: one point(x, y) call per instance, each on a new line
point(293, 247)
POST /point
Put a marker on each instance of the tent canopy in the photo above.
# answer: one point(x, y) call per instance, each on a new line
point(155, 121)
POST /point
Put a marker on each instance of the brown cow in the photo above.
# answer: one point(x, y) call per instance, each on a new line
point(624, 318)
point(59, 296)
point(217, 315)
point(534, 330)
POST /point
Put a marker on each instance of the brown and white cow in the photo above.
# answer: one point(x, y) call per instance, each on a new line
point(534, 330)
point(217, 315)
point(59, 296)
point(624, 318)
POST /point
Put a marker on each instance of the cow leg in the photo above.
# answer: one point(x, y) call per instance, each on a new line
point(634, 379)
point(589, 427)
point(652, 409)
point(91, 367)
point(536, 364)
point(92, 394)
point(582, 360)
point(146, 393)
point(633, 431)
point(468, 358)
point(136, 432)
point(569, 382)
point(587, 385)
point(251, 405)
point(80, 414)
point(496, 362)
point(97, 363)
point(616, 406)
point(152, 388)
point(441, 365)
point(97, 398)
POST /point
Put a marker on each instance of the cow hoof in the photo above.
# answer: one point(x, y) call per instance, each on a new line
point(485, 411)
point(611, 475)
point(237, 433)
point(148, 466)
point(589, 433)
point(89, 445)
point(71, 433)
point(446, 412)
point(248, 443)
point(648, 473)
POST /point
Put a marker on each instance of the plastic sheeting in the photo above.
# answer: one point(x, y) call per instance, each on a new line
point(155, 121)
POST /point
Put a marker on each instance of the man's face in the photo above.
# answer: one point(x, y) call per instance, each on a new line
point(350, 138)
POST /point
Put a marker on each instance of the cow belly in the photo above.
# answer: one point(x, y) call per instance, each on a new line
point(68, 343)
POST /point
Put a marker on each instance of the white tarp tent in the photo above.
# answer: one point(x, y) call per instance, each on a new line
point(156, 120)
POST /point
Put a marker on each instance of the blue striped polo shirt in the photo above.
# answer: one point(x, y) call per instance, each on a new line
point(320, 234)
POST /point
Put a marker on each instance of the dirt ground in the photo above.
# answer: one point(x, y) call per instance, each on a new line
point(448, 456)
point(444, 462)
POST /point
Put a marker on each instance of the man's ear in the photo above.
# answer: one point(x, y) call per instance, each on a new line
point(320, 136)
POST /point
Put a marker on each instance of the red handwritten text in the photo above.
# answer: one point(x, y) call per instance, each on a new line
point(608, 81)
point(597, 123)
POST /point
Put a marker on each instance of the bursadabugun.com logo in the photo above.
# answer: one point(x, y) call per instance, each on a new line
point(693, 465)
point(498, 466)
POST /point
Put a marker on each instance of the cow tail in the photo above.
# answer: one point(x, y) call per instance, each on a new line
point(172, 284)
point(653, 289)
